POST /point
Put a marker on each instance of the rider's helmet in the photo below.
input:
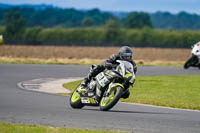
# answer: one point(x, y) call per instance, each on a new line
point(125, 53)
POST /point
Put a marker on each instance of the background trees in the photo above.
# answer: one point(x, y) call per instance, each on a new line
point(112, 31)
point(14, 25)
point(87, 22)
point(137, 20)
point(54, 17)
point(182, 20)
point(56, 26)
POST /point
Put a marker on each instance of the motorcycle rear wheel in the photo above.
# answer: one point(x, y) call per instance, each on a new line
point(75, 100)
point(108, 101)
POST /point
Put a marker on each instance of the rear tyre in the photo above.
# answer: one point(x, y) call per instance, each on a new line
point(75, 100)
point(108, 101)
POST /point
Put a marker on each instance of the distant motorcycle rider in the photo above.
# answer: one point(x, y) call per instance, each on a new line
point(125, 53)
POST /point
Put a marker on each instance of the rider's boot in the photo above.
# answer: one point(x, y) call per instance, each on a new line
point(93, 72)
point(83, 85)
point(85, 82)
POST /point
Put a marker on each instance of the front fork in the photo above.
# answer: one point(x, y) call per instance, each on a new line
point(100, 93)
point(112, 85)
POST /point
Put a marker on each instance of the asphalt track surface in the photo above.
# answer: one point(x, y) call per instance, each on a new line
point(19, 106)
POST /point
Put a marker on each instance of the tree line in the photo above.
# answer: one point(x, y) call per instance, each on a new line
point(52, 17)
point(182, 20)
point(109, 35)
point(57, 17)
point(91, 28)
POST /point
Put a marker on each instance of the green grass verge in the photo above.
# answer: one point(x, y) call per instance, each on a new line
point(33, 61)
point(12, 60)
point(20, 128)
point(171, 91)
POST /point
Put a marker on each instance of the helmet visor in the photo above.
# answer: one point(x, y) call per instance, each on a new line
point(127, 56)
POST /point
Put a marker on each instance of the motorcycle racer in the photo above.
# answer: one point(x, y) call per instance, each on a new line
point(125, 53)
point(194, 59)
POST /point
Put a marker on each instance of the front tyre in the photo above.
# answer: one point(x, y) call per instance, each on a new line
point(75, 100)
point(109, 100)
point(190, 62)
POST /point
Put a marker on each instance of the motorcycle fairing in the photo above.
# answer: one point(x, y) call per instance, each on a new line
point(196, 50)
point(88, 100)
point(102, 79)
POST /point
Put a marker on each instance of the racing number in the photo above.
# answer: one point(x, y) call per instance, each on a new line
point(101, 78)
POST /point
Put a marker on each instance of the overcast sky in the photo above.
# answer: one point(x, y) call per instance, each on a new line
point(151, 6)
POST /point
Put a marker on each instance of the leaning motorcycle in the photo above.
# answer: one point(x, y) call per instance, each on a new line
point(193, 61)
point(106, 88)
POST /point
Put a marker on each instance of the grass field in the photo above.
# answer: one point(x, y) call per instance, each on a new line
point(88, 55)
point(20, 128)
point(171, 91)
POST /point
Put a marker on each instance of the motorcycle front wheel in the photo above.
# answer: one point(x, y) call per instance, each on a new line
point(75, 100)
point(190, 62)
point(111, 98)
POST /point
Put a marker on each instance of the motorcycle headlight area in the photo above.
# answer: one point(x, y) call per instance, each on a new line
point(119, 69)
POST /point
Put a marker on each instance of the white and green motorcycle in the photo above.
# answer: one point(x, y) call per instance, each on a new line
point(106, 88)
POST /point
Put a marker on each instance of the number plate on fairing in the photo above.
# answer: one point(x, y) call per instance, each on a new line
point(85, 100)
point(88, 100)
point(102, 79)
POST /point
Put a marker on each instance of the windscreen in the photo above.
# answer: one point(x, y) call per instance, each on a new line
point(128, 65)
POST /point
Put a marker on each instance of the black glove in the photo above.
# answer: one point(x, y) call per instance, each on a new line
point(110, 65)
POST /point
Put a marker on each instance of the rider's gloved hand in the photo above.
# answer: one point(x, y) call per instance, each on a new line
point(109, 66)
